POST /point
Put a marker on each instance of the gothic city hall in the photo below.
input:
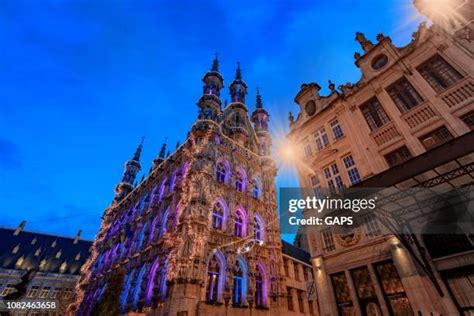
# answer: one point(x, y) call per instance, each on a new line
point(200, 234)
point(330, 174)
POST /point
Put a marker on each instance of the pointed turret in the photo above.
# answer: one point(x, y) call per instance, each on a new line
point(238, 88)
point(161, 156)
point(132, 167)
point(260, 118)
point(163, 149)
point(210, 103)
point(215, 64)
point(259, 102)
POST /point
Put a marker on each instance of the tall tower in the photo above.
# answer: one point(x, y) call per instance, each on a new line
point(210, 103)
point(200, 235)
point(260, 118)
point(132, 167)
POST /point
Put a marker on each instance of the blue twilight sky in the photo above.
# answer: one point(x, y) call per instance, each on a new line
point(82, 81)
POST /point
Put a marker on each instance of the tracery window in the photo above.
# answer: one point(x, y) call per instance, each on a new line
point(238, 288)
point(217, 216)
point(126, 290)
point(257, 229)
point(239, 182)
point(137, 288)
point(221, 172)
point(255, 189)
point(259, 286)
point(213, 276)
point(239, 224)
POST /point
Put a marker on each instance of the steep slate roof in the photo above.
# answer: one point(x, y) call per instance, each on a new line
point(34, 247)
point(295, 252)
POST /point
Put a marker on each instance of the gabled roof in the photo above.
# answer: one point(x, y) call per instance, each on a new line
point(295, 252)
point(35, 247)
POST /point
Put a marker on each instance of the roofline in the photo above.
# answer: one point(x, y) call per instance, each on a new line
point(295, 259)
point(46, 234)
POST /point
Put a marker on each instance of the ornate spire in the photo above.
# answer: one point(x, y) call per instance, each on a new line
point(238, 88)
point(259, 103)
point(260, 116)
point(213, 82)
point(215, 64)
point(238, 72)
point(138, 152)
point(163, 149)
point(132, 167)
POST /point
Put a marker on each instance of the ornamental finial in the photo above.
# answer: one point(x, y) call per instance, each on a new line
point(363, 41)
point(215, 63)
point(163, 149)
point(259, 103)
point(138, 152)
point(238, 72)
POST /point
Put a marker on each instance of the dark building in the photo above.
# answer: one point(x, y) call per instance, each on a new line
point(54, 263)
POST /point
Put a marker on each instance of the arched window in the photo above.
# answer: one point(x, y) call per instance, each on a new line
point(161, 190)
point(217, 216)
point(239, 182)
point(255, 189)
point(151, 233)
point(138, 287)
point(173, 181)
point(221, 172)
point(151, 282)
point(140, 206)
point(239, 224)
point(164, 223)
point(140, 238)
point(238, 287)
point(213, 279)
point(162, 286)
point(259, 283)
point(126, 290)
point(257, 229)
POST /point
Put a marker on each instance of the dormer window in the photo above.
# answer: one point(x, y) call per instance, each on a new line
point(379, 62)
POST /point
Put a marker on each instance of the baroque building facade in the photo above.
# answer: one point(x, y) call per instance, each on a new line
point(406, 123)
point(37, 267)
point(200, 234)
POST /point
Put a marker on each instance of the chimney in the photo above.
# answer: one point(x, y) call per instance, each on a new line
point(78, 236)
point(19, 228)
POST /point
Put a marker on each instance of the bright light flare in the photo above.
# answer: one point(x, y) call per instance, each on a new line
point(287, 152)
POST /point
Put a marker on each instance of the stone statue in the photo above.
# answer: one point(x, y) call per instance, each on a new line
point(331, 86)
point(363, 41)
point(291, 118)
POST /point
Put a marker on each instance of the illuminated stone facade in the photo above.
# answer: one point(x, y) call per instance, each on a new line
point(409, 102)
point(200, 234)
